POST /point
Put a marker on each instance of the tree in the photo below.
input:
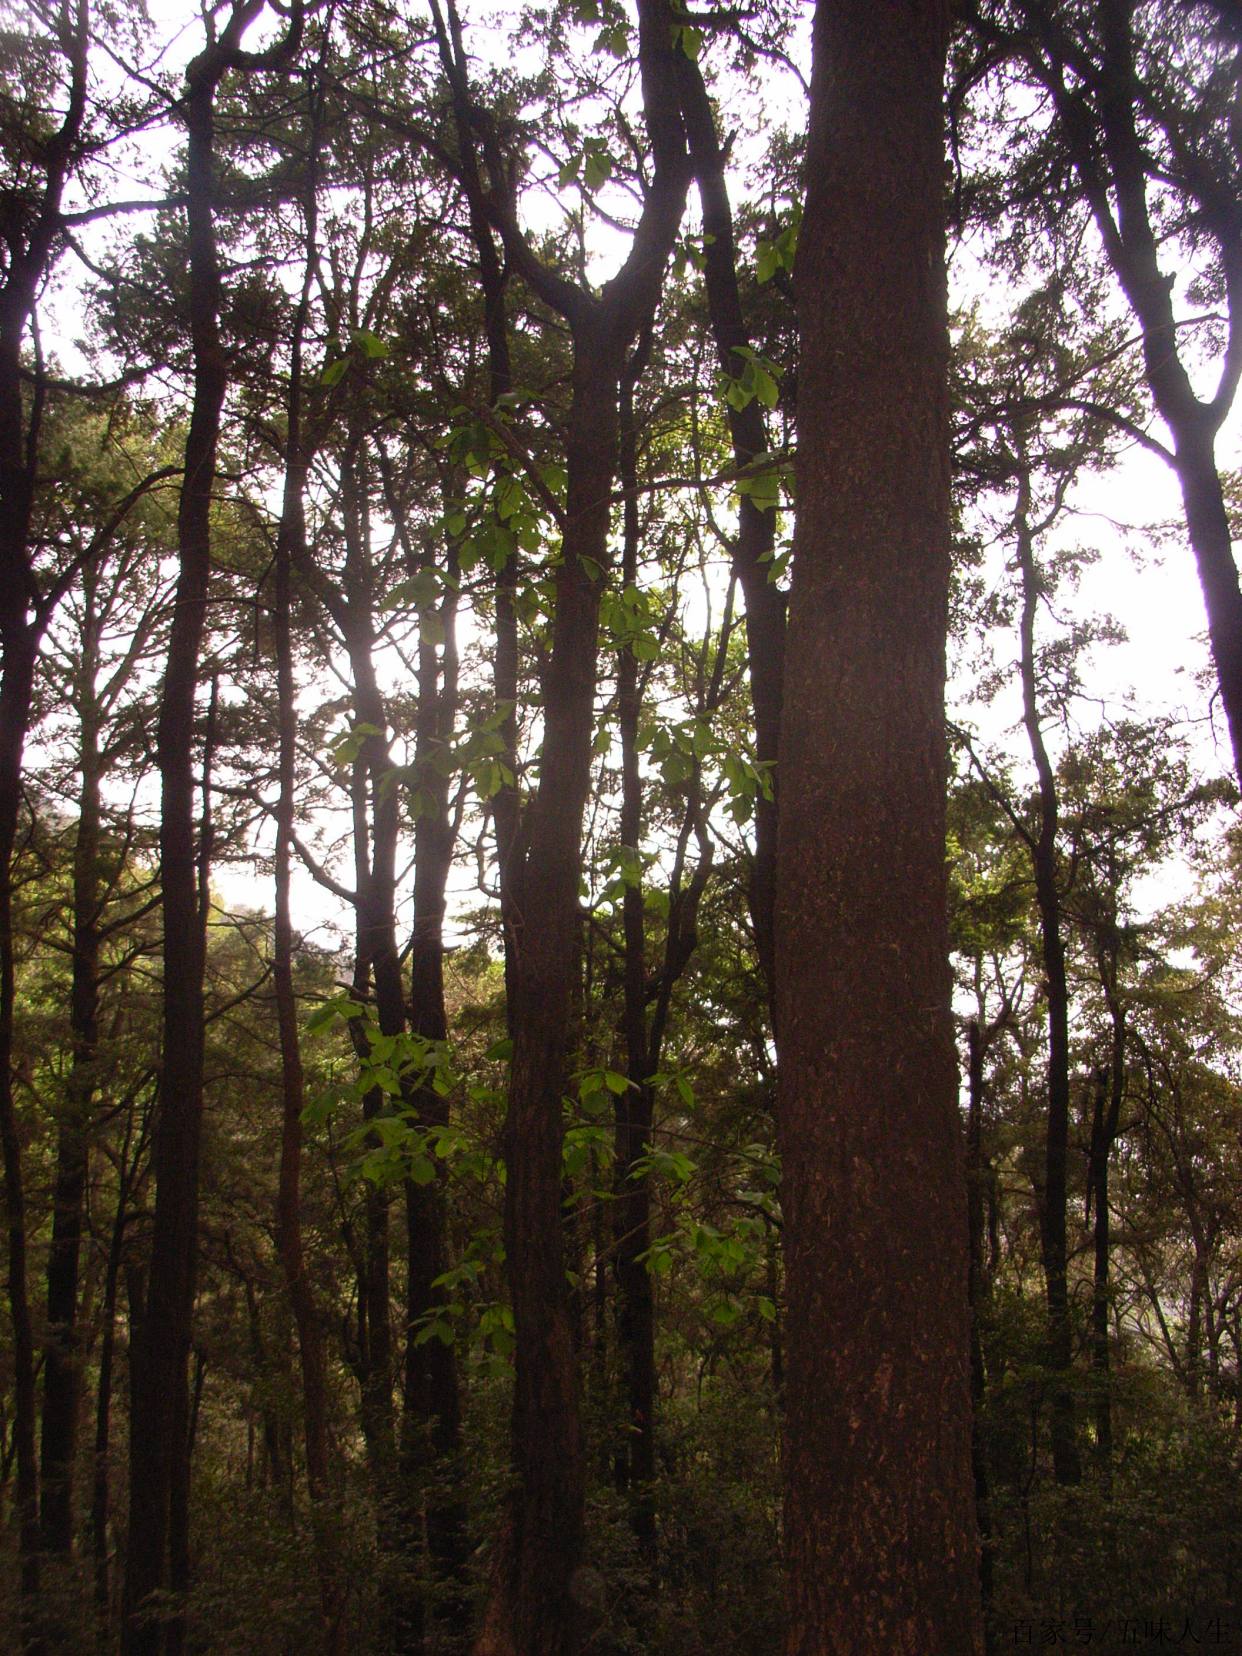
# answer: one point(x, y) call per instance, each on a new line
point(880, 1524)
point(1145, 101)
point(532, 1608)
point(488, 1327)
point(158, 1554)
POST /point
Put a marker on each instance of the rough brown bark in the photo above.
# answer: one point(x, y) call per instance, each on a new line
point(880, 1526)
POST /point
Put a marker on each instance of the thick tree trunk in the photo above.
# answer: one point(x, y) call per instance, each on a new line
point(1053, 1202)
point(880, 1524)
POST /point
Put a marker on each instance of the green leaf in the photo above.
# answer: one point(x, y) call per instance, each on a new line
point(371, 345)
point(439, 1328)
point(349, 744)
point(615, 40)
point(689, 39)
point(598, 169)
point(334, 373)
point(767, 262)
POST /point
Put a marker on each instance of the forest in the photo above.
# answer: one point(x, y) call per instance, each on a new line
point(620, 932)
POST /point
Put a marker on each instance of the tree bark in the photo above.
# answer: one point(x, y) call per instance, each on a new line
point(535, 1607)
point(975, 1174)
point(632, 1219)
point(23, 617)
point(1112, 164)
point(1053, 1198)
point(16, 689)
point(159, 1453)
point(62, 1376)
point(880, 1525)
point(290, 549)
point(547, 1433)
point(756, 527)
point(431, 1415)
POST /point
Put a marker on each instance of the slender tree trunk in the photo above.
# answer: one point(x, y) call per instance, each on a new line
point(1110, 1090)
point(1067, 1464)
point(292, 535)
point(431, 1419)
point(547, 1534)
point(756, 527)
point(975, 1176)
point(1135, 254)
point(632, 1214)
point(374, 1357)
point(29, 255)
point(1207, 525)
point(62, 1375)
point(535, 1607)
point(1111, 159)
point(16, 688)
point(101, 1471)
point(881, 1540)
point(493, 281)
point(19, 640)
point(159, 1380)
